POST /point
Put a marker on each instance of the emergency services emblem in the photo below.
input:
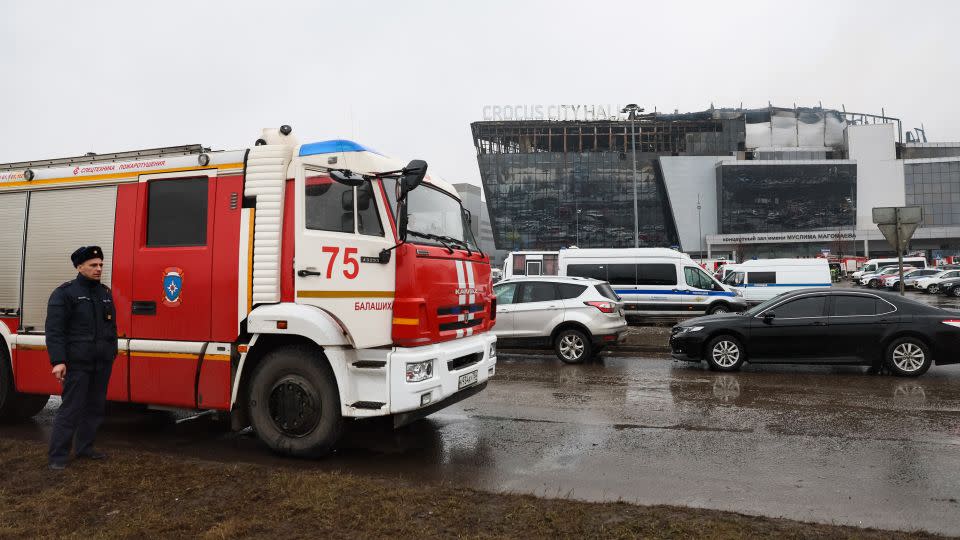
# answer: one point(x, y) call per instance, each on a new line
point(172, 286)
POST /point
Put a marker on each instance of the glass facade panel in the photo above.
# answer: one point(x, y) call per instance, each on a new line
point(935, 187)
point(786, 197)
point(549, 200)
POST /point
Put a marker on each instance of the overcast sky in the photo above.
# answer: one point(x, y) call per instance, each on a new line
point(407, 78)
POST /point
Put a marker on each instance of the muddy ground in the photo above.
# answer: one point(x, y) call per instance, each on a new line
point(146, 495)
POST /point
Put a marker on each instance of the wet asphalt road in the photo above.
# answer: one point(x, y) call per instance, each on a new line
point(820, 444)
point(827, 444)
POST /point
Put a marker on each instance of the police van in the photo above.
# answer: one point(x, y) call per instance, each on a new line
point(649, 280)
point(761, 280)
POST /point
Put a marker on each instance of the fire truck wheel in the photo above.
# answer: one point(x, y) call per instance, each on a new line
point(14, 405)
point(294, 403)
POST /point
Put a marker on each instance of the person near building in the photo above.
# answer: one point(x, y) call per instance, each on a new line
point(81, 336)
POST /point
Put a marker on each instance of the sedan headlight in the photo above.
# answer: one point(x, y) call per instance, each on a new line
point(419, 371)
point(687, 329)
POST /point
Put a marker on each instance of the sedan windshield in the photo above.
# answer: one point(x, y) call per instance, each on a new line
point(433, 217)
point(762, 306)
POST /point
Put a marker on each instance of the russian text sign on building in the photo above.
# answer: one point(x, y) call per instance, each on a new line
point(898, 223)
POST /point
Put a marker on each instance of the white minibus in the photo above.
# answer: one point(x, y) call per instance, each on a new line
point(762, 279)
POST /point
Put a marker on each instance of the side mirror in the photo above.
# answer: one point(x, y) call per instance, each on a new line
point(347, 178)
point(768, 316)
point(412, 176)
point(346, 201)
point(468, 216)
point(363, 199)
point(402, 220)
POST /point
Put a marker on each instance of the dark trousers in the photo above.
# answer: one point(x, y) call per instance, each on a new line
point(81, 413)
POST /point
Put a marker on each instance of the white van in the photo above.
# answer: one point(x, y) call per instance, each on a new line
point(875, 265)
point(761, 280)
point(653, 280)
point(530, 263)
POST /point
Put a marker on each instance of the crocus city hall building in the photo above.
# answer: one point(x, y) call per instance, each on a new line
point(739, 183)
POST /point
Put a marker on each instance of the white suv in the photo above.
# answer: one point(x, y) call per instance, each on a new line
point(577, 316)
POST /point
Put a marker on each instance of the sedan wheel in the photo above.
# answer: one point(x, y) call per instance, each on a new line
point(725, 353)
point(908, 357)
point(933, 289)
point(955, 291)
point(572, 346)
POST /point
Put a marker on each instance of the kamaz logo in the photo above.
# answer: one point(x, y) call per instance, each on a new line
point(466, 290)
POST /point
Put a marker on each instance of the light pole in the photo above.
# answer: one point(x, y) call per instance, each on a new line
point(578, 226)
point(632, 109)
point(700, 229)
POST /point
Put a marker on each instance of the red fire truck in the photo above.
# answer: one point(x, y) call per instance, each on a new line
point(293, 286)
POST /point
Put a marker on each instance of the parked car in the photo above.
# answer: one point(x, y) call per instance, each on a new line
point(826, 326)
point(577, 316)
point(760, 280)
point(875, 265)
point(910, 278)
point(950, 287)
point(931, 284)
point(875, 280)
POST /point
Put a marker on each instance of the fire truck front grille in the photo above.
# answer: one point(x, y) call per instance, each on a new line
point(460, 325)
point(464, 361)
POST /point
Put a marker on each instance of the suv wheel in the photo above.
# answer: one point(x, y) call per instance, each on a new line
point(572, 346)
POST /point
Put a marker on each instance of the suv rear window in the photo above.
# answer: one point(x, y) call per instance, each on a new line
point(606, 291)
point(570, 290)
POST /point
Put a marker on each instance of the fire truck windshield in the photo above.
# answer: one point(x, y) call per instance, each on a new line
point(434, 217)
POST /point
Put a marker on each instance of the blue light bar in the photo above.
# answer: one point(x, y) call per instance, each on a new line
point(333, 146)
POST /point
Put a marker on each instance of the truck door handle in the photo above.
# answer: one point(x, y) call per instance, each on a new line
point(308, 272)
point(819, 323)
point(143, 307)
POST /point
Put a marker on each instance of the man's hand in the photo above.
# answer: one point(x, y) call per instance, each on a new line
point(59, 372)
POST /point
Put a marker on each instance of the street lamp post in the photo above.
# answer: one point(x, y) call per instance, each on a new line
point(633, 109)
point(700, 229)
point(578, 226)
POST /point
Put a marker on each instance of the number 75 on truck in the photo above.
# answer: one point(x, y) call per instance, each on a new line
point(293, 286)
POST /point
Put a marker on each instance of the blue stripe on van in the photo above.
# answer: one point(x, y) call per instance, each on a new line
point(658, 291)
point(784, 285)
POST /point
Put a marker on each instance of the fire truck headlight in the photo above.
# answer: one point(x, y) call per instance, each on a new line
point(493, 349)
point(419, 371)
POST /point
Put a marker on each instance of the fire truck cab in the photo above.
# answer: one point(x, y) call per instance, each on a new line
point(293, 286)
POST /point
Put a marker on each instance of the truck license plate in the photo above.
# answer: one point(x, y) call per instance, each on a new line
point(467, 379)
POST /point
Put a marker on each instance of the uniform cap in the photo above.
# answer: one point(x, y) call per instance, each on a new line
point(86, 253)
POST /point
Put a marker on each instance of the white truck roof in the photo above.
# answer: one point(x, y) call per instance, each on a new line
point(624, 253)
point(782, 262)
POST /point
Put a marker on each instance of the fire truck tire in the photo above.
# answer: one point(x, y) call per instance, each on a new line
point(294, 404)
point(14, 405)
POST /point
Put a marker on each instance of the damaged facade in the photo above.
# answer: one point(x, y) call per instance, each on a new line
point(768, 182)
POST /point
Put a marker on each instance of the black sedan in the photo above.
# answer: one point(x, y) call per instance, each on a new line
point(950, 287)
point(825, 326)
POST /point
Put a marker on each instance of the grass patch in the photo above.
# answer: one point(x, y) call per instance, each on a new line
point(143, 495)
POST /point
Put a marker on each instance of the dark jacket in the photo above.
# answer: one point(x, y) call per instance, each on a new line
point(81, 326)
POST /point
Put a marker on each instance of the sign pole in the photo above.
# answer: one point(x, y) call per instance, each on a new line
point(898, 225)
point(899, 252)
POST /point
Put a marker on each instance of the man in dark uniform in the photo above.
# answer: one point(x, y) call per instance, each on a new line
point(81, 334)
